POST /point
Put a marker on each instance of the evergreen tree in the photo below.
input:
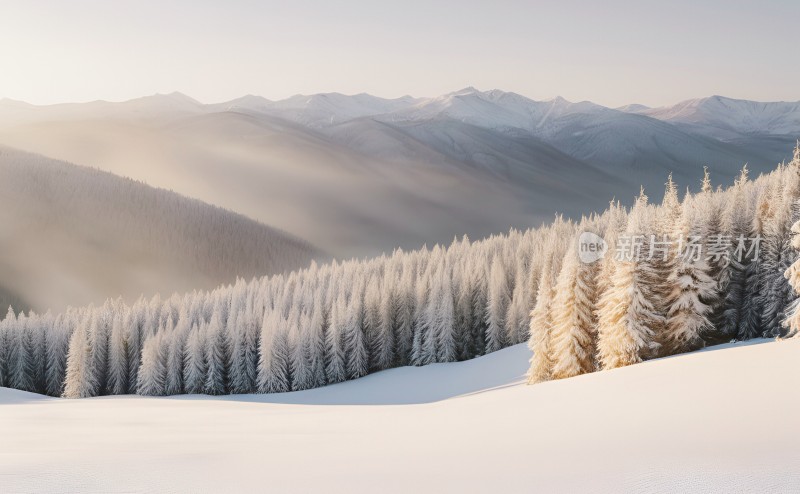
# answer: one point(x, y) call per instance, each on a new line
point(153, 371)
point(117, 357)
point(273, 366)
point(195, 367)
point(80, 381)
point(57, 341)
point(216, 349)
point(574, 339)
point(335, 369)
point(687, 319)
point(628, 314)
point(498, 301)
point(542, 325)
point(404, 316)
point(441, 326)
point(357, 360)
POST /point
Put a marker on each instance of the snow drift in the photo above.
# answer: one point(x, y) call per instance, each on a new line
point(711, 421)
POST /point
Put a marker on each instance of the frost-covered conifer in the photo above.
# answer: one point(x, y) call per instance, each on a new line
point(273, 366)
point(357, 360)
point(117, 357)
point(738, 221)
point(57, 342)
point(628, 315)
point(153, 371)
point(442, 323)
point(574, 334)
point(498, 300)
point(687, 319)
point(80, 381)
point(216, 382)
point(335, 369)
point(195, 367)
point(21, 355)
point(404, 316)
point(542, 324)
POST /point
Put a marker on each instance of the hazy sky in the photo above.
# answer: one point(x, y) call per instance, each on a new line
point(612, 52)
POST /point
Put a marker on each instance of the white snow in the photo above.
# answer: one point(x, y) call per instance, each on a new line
point(727, 117)
point(721, 420)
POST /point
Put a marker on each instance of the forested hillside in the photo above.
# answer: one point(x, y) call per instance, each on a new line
point(695, 270)
point(72, 235)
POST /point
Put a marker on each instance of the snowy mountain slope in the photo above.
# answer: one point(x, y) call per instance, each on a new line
point(539, 171)
point(497, 110)
point(711, 421)
point(324, 109)
point(727, 118)
point(73, 235)
point(351, 200)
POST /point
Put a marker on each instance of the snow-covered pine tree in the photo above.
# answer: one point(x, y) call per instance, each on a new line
point(244, 349)
point(335, 369)
point(21, 359)
point(57, 343)
point(792, 274)
point(101, 331)
point(738, 221)
point(195, 368)
point(498, 301)
point(80, 380)
point(5, 343)
point(443, 326)
point(176, 349)
point(153, 371)
point(317, 327)
point(383, 345)
point(463, 310)
point(518, 314)
point(542, 323)
point(718, 252)
point(117, 356)
point(687, 319)
point(772, 284)
point(38, 326)
point(628, 314)
point(300, 348)
point(134, 323)
point(216, 382)
point(752, 308)
point(479, 284)
point(574, 335)
point(782, 292)
point(404, 317)
point(420, 346)
point(273, 366)
point(357, 360)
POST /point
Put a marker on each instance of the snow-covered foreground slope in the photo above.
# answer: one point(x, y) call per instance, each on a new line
point(720, 420)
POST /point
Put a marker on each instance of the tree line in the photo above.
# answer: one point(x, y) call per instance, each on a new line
point(343, 320)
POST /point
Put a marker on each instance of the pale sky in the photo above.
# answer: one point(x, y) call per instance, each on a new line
point(612, 52)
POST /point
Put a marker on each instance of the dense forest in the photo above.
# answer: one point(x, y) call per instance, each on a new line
point(703, 268)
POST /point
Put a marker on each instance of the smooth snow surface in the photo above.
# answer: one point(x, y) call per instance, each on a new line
point(720, 420)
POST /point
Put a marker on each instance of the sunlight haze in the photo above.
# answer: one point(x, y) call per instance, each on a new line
point(612, 53)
